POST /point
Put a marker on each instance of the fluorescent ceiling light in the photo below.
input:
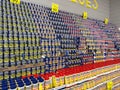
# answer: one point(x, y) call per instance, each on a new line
point(119, 28)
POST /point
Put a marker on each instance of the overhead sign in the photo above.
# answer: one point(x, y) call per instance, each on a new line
point(88, 3)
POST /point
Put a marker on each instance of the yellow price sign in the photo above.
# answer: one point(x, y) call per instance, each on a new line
point(85, 15)
point(106, 21)
point(53, 81)
point(55, 7)
point(15, 1)
point(40, 86)
point(85, 87)
point(75, 1)
point(109, 85)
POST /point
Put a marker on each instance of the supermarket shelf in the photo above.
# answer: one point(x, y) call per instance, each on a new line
point(116, 85)
point(60, 87)
point(79, 82)
point(20, 67)
point(102, 83)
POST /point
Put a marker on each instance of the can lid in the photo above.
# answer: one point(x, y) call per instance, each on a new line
point(13, 86)
point(23, 77)
point(12, 82)
point(34, 81)
point(11, 79)
point(40, 79)
point(4, 87)
point(4, 84)
point(31, 77)
point(36, 75)
point(28, 83)
point(18, 81)
point(4, 81)
point(46, 77)
point(21, 84)
point(18, 78)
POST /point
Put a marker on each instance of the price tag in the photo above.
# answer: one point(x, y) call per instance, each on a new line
point(15, 1)
point(84, 87)
point(66, 81)
point(109, 85)
point(54, 81)
point(40, 86)
point(73, 1)
point(106, 20)
point(85, 15)
point(55, 7)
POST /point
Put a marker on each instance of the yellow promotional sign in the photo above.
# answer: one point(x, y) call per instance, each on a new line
point(55, 7)
point(53, 81)
point(40, 86)
point(87, 3)
point(85, 15)
point(15, 1)
point(84, 87)
point(106, 21)
point(109, 85)
point(73, 1)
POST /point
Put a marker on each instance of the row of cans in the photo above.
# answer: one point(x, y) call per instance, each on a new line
point(36, 26)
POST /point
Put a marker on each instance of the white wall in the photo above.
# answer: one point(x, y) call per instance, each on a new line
point(66, 5)
point(115, 12)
